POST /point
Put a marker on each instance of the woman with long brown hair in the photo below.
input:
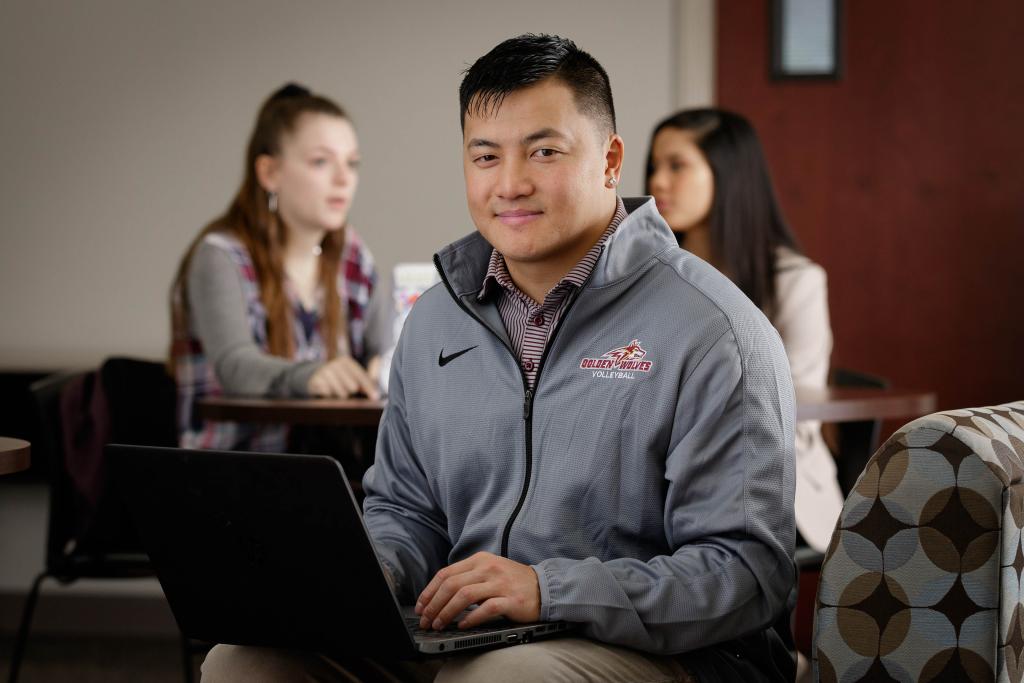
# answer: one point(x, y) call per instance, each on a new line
point(707, 172)
point(279, 296)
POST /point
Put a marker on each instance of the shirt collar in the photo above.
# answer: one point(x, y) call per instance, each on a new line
point(498, 277)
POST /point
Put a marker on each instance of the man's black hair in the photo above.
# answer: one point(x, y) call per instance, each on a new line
point(528, 59)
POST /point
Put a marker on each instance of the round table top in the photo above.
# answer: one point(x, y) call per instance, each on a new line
point(348, 412)
point(14, 455)
point(852, 404)
point(832, 404)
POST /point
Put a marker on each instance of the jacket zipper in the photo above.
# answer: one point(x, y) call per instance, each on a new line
point(528, 396)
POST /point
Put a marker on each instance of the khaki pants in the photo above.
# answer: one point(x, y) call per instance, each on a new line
point(561, 659)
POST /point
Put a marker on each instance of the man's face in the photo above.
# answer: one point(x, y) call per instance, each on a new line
point(536, 172)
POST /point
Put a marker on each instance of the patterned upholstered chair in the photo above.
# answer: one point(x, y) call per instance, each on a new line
point(922, 579)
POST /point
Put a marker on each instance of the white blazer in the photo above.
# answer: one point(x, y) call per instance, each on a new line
point(801, 317)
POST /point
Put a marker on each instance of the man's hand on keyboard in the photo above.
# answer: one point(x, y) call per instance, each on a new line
point(501, 587)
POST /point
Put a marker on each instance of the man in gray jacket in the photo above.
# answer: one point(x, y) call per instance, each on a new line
point(585, 423)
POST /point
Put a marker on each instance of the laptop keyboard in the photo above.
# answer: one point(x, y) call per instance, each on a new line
point(413, 624)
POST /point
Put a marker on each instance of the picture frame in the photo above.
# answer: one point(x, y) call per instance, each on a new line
point(806, 39)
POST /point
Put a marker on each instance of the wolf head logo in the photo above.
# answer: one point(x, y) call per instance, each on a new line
point(631, 351)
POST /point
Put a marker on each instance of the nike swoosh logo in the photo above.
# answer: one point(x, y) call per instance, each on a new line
point(444, 360)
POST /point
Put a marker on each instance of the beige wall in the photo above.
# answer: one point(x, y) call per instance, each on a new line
point(122, 125)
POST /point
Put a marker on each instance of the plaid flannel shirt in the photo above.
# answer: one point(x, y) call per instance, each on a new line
point(195, 375)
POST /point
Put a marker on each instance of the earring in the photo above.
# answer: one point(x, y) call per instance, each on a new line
point(272, 202)
point(611, 182)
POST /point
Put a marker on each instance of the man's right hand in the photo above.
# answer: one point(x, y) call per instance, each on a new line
point(341, 378)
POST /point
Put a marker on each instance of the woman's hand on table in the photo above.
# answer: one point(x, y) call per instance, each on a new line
point(342, 377)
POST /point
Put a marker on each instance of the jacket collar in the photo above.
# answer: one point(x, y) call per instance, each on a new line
point(644, 233)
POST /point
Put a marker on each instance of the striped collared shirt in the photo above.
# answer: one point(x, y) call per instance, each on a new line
point(529, 324)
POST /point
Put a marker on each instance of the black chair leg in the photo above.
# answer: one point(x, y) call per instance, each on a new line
point(186, 658)
point(26, 626)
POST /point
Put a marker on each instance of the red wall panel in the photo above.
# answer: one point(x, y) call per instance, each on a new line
point(905, 180)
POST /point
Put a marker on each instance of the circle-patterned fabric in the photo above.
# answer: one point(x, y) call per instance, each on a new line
point(922, 578)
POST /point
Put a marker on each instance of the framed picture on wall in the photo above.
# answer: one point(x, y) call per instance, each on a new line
point(806, 40)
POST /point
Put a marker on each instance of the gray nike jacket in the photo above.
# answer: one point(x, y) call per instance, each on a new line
point(648, 479)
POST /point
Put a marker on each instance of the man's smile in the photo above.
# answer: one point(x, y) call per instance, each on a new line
point(518, 216)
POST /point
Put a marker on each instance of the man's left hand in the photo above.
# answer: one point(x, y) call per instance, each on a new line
point(498, 585)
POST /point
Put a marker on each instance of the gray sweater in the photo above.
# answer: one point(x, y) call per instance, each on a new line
point(651, 492)
point(219, 317)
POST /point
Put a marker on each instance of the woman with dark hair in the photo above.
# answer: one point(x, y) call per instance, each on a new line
point(278, 296)
point(707, 173)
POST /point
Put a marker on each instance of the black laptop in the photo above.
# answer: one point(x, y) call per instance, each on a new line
point(267, 549)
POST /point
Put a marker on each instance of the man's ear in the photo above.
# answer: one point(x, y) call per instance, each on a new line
point(267, 172)
point(614, 150)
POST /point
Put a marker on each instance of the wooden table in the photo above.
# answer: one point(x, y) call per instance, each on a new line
point(14, 455)
point(827, 405)
point(345, 412)
point(852, 404)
